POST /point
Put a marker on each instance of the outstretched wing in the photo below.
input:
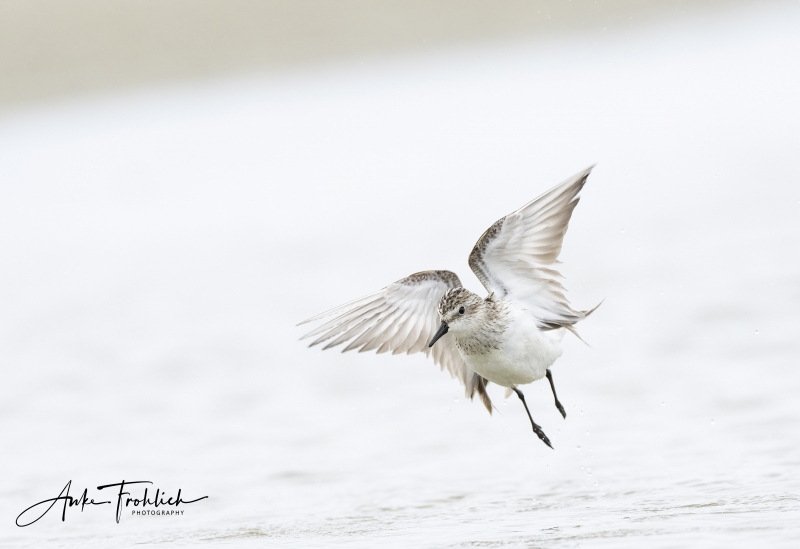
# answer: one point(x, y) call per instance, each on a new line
point(400, 318)
point(516, 255)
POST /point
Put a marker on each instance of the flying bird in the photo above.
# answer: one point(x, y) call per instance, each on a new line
point(511, 337)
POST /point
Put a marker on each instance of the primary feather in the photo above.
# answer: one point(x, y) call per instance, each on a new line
point(400, 318)
point(515, 257)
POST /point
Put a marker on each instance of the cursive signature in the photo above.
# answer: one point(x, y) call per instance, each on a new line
point(124, 500)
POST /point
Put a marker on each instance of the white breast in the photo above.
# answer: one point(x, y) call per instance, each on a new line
point(523, 356)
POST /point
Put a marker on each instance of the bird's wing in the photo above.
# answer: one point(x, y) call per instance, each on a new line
point(516, 256)
point(401, 318)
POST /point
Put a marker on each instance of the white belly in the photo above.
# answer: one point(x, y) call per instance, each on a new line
point(524, 356)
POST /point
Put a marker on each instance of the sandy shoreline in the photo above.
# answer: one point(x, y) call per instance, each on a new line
point(51, 49)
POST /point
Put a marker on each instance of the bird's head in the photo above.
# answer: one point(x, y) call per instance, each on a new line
point(459, 309)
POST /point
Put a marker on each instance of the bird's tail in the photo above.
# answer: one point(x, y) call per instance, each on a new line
point(571, 326)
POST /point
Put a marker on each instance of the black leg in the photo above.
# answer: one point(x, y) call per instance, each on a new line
point(555, 396)
point(536, 428)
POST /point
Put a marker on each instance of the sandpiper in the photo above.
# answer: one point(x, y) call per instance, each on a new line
point(509, 338)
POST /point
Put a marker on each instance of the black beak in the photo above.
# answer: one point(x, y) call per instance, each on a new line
point(439, 333)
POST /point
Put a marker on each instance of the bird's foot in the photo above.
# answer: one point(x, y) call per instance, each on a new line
point(541, 435)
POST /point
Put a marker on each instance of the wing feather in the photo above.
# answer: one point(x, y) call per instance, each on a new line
point(516, 255)
point(400, 318)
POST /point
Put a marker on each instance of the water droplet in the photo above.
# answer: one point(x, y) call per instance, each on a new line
point(455, 400)
point(756, 332)
point(663, 403)
point(712, 422)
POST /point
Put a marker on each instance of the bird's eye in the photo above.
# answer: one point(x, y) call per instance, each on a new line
point(461, 310)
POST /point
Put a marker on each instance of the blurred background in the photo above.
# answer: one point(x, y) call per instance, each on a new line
point(181, 183)
point(50, 50)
